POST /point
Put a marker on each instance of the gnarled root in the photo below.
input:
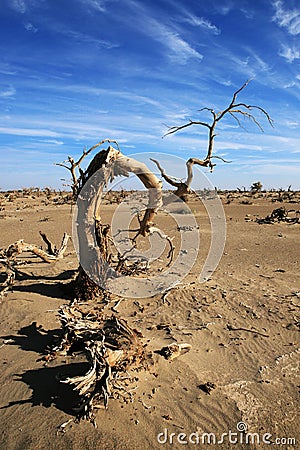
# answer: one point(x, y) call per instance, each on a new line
point(110, 346)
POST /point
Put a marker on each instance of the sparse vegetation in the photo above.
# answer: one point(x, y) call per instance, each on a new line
point(256, 187)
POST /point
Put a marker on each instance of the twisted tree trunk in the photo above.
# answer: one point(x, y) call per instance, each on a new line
point(93, 235)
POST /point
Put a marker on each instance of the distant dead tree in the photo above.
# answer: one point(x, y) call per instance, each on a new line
point(256, 187)
point(236, 110)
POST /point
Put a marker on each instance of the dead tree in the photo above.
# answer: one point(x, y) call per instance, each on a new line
point(236, 110)
point(110, 163)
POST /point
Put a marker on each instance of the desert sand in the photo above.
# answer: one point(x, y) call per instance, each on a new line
point(241, 323)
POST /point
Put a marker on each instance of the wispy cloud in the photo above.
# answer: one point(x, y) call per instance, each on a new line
point(98, 5)
point(248, 13)
point(30, 27)
point(79, 37)
point(51, 141)
point(202, 23)
point(289, 53)
point(18, 5)
point(27, 132)
point(246, 62)
point(8, 92)
point(95, 91)
point(6, 69)
point(225, 8)
point(289, 167)
point(179, 50)
point(292, 124)
point(85, 38)
point(287, 18)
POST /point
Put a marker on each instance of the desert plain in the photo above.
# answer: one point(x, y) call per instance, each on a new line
point(242, 324)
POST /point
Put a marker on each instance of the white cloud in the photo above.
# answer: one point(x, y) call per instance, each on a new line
point(30, 27)
point(289, 53)
point(249, 14)
point(179, 50)
point(98, 5)
point(80, 37)
point(8, 92)
point(6, 69)
point(286, 166)
point(27, 132)
point(52, 141)
point(94, 91)
point(77, 37)
point(292, 124)
point(286, 18)
point(18, 5)
point(202, 23)
point(224, 9)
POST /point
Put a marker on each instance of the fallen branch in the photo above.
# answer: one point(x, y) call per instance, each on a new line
point(9, 263)
point(231, 328)
point(280, 215)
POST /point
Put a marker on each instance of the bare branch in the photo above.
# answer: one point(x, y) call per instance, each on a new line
point(73, 165)
point(173, 130)
point(238, 121)
point(250, 107)
point(50, 247)
point(237, 92)
point(210, 110)
point(222, 159)
point(166, 177)
point(248, 116)
point(233, 109)
point(162, 235)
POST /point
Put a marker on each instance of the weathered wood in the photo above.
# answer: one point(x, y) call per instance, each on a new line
point(8, 257)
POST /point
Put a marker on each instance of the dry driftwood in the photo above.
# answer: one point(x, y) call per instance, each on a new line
point(8, 257)
point(174, 350)
point(280, 215)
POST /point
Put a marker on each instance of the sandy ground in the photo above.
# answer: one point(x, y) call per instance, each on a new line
point(242, 324)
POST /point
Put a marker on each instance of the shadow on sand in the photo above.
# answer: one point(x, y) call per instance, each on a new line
point(47, 390)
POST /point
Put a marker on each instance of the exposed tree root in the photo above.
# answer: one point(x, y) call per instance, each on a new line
point(111, 348)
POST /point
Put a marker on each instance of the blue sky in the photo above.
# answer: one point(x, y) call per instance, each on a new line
point(73, 72)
